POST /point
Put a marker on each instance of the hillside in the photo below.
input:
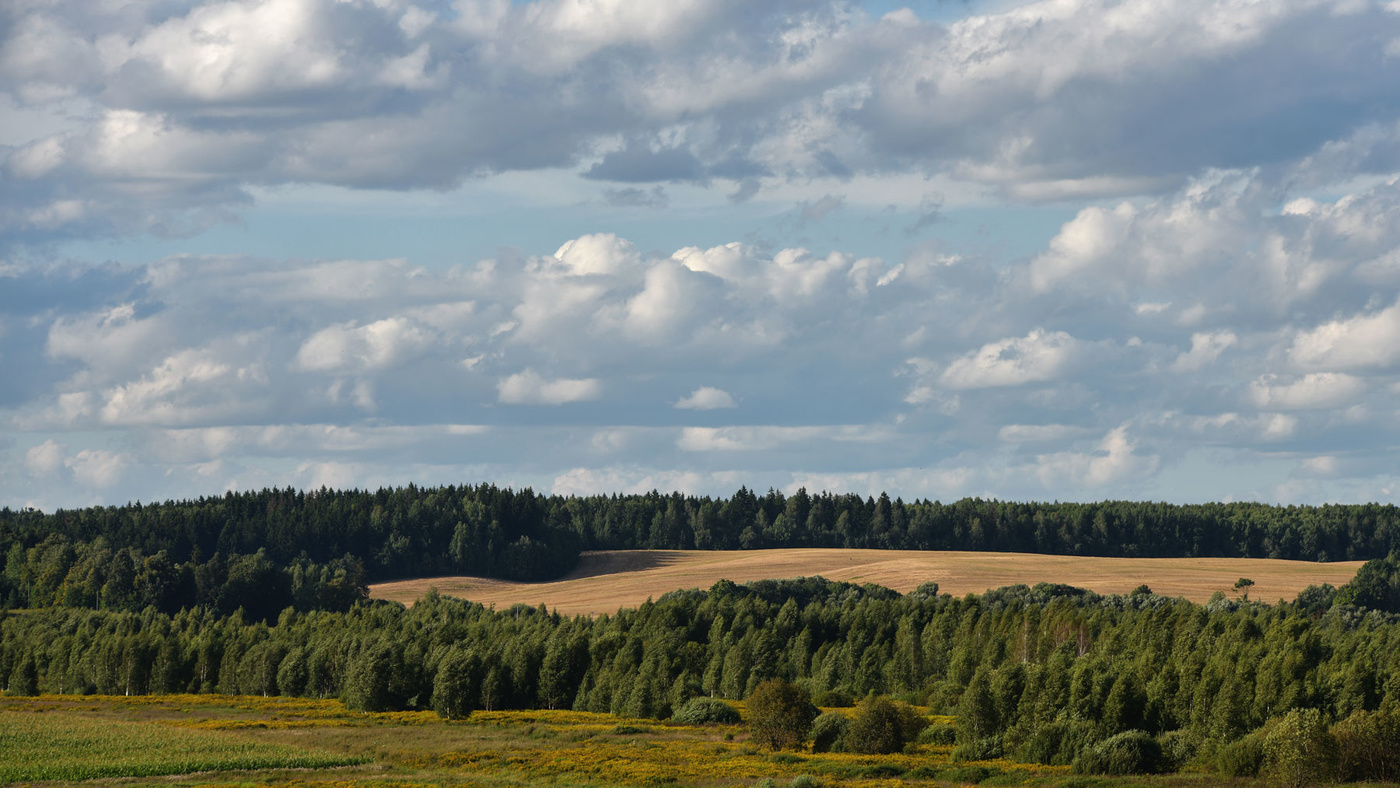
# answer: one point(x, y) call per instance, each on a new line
point(607, 580)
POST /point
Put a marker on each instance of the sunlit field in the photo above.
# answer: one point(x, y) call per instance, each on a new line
point(223, 740)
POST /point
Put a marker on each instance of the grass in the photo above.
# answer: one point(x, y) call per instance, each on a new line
point(74, 746)
point(608, 580)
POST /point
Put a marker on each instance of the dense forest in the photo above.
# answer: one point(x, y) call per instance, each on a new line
point(264, 551)
point(1039, 674)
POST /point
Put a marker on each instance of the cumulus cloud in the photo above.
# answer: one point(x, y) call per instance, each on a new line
point(1037, 357)
point(1364, 340)
point(1115, 459)
point(529, 388)
point(706, 398)
point(1206, 347)
point(1316, 390)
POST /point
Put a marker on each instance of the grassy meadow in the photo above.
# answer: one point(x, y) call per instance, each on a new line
point(240, 740)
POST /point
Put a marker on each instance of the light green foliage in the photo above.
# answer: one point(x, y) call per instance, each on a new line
point(1299, 750)
point(706, 711)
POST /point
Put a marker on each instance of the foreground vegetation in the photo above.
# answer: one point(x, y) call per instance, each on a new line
point(510, 748)
point(1050, 675)
point(265, 551)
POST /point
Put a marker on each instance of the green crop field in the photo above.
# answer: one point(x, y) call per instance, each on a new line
point(68, 745)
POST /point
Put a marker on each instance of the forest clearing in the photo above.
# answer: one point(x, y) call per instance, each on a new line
point(611, 579)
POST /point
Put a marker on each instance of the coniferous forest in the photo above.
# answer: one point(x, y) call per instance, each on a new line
point(265, 593)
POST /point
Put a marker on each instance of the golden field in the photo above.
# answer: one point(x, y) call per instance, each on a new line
point(608, 580)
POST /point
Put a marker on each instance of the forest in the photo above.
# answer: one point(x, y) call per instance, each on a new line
point(268, 550)
point(1045, 674)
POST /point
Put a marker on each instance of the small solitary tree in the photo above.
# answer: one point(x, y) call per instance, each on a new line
point(1242, 587)
point(780, 714)
point(882, 726)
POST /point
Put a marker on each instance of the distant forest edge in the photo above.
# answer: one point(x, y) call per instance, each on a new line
point(268, 550)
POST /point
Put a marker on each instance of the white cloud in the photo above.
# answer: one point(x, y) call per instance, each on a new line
point(1037, 357)
point(1365, 340)
point(98, 468)
point(528, 388)
point(1316, 390)
point(1038, 433)
point(1115, 460)
point(44, 459)
point(1206, 347)
point(376, 345)
point(706, 398)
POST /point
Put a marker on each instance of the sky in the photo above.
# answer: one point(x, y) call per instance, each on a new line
point(1056, 250)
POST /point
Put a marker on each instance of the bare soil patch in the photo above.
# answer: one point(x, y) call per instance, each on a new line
point(608, 580)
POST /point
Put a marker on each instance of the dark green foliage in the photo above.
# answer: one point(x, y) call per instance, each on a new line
point(835, 699)
point(1376, 585)
point(780, 714)
point(1178, 749)
point(881, 726)
point(319, 547)
point(977, 711)
point(1059, 742)
point(1368, 745)
point(828, 732)
point(455, 687)
point(367, 680)
point(706, 711)
point(1129, 752)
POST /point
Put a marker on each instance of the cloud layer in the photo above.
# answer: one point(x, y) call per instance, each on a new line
point(1214, 312)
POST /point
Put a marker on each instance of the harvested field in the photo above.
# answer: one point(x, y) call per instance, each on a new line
point(608, 580)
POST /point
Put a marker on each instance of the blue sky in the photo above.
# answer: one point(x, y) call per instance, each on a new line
point(1071, 249)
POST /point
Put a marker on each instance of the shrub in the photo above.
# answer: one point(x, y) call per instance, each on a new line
point(882, 726)
point(829, 731)
point(780, 714)
point(972, 775)
point(805, 781)
point(882, 770)
point(1299, 750)
point(835, 699)
point(1241, 758)
point(706, 711)
point(1368, 747)
point(985, 749)
point(939, 733)
point(1130, 752)
point(1178, 748)
point(1058, 743)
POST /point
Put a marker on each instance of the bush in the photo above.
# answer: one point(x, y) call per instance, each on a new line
point(1299, 750)
point(985, 749)
point(1178, 748)
point(835, 699)
point(1130, 752)
point(939, 733)
point(805, 781)
point(971, 775)
point(1058, 743)
point(780, 714)
point(1368, 747)
point(882, 770)
point(882, 726)
point(829, 731)
point(1242, 757)
point(706, 711)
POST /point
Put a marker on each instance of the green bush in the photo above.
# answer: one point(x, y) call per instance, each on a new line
point(1130, 752)
point(987, 748)
point(1300, 750)
point(882, 770)
point(1241, 758)
point(1178, 748)
point(1058, 743)
point(805, 781)
point(780, 714)
point(971, 775)
point(829, 731)
point(939, 733)
point(706, 711)
point(882, 726)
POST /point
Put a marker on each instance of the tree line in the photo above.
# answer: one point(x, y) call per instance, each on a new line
point(519, 534)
